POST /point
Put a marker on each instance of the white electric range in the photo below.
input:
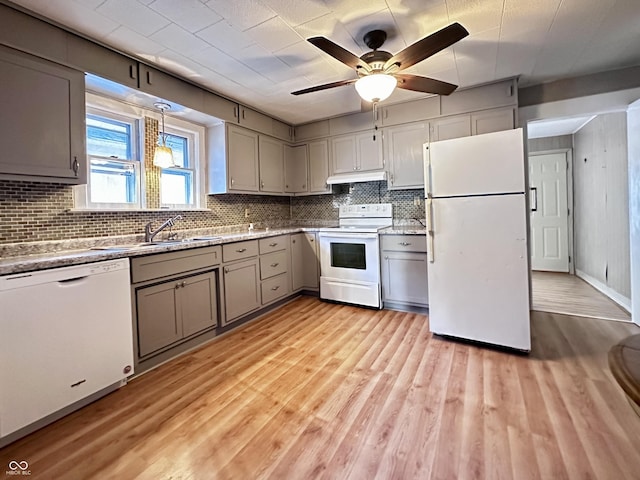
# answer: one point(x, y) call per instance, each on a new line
point(350, 255)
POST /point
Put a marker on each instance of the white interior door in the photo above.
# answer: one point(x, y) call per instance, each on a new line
point(549, 212)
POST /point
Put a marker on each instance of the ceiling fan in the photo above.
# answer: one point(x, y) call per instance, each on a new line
point(378, 71)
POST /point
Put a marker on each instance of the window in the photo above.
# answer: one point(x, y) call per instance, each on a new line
point(117, 179)
point(177, 183)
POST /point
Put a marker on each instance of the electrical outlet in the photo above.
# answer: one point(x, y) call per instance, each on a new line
point(417, 201)
point(246, 213)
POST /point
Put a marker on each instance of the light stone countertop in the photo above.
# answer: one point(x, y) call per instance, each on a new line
point(30, 257)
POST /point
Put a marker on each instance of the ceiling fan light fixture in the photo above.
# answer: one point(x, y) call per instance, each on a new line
point(376, 87)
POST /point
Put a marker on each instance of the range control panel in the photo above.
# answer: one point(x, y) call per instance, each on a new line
point(367, 210)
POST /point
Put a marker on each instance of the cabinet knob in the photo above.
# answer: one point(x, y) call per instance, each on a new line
point(311, 239)
point(76, 165)
point(405, 244)
point(274, 265)
point(226, 269)
point(293, 241)
point(183, 283)
point(241, 250)
point(275, 288)
point(177, 286)
point(304, 187)
point(386, 257)
point(274, 244)
point(262, 184)
point(232, 181)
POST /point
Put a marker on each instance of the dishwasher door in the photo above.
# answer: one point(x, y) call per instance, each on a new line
point(65, 334)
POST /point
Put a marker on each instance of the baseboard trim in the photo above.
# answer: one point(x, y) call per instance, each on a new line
point(621, 300)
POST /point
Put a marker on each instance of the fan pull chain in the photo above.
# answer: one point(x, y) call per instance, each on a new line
point(375, 119)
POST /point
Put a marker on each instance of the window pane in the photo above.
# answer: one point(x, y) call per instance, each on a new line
point(112, 182)
point(180, 149)
point(176, 187)
point(108, 138)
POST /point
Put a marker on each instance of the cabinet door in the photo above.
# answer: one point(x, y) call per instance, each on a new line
point(241, 289)
point(493, 95)
point(43, 120)
point(404, 155)
point(242, 152)
point(170, 88)
point(451, 127)
point(310, 261)
point(93, 58)
point(158, 322)
point(319, 166)
point(404, 278)
point(281, 130)
point(311, 130)
point(297, 261)
point(369, 151)
point(198, 303)
point(411, 111)
point(492, 121)
point(295, 169)
point(255, 120)
point(343, 154)
point(220, 107)
point(271, 155)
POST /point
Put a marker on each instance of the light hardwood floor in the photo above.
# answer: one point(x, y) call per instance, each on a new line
point(317, 390)
point(570, 295)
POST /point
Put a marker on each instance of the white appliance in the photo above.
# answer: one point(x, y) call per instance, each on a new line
point(350, 255)
point(477, 239)
point(65, 334)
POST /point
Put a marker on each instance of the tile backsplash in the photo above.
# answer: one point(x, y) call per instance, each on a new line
point(32, 211)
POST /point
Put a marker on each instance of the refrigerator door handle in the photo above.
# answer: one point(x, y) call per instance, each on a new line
point(427, 170)
point(429, 221)
point(534, 197)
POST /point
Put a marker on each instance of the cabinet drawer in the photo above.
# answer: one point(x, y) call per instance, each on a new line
point(273, 264)
point(274, 288)
point(239, 250)
point(404, 243)
point(172, 263)
point(273, 244)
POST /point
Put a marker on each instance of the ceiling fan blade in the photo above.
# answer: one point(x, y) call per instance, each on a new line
point(424, 84)
point(326, 86)
point(339, 53)
point(428, 46)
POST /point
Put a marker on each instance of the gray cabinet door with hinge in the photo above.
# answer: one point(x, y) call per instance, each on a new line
point(319, 166)
point(43, 120)
point(304, 261)
point(242, 152)
point(404, 154)
point(158, 321)
point(369, 151)
point(197, 303)
point(295, 169)
point(271, 156)
point(404, 278)
point(241, 288)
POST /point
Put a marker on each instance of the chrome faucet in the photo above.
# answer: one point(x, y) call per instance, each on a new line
point(149, 234)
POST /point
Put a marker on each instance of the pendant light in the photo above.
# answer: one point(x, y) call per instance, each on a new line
point(163, 156)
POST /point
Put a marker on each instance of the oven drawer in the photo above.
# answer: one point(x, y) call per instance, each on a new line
point(404, 243)
point(239, 250)
point(273, 244)
point(273, 264)
point(274, 288)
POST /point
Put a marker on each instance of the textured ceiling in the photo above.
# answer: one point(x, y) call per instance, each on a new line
point(255, 51)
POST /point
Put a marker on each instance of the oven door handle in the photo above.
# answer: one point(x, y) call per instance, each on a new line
point(348, 237)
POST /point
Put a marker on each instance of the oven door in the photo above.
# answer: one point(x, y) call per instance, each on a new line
point(350, 256)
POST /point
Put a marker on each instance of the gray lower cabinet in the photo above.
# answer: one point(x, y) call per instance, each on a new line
point(404, 270)
point(304, 262)
point(174, 310)
point(43, 120)
point(241, 290)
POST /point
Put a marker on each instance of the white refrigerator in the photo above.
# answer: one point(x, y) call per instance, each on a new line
point(477, 239)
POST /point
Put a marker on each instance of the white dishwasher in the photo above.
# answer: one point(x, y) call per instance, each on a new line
point(65, 334)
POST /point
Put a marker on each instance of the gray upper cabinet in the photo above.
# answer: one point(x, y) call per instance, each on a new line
point(411, 111)
point(28, 34)
point(479, 98)
point(450, 127)
point(271, 164)
point(351, 123)
point(254, 120)
point(43, 120)
point(311, 130)
point(493, 120)
point(403, 149)
point(220, 107)
point(295, 169)
point(170, 88)
point(242, 146)
point(319, 166)
point(281, 130)
point(93, 58)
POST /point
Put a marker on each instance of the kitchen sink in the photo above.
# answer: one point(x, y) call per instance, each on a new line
point(134, 246)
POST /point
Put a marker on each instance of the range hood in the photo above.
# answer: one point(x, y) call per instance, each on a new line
point(357, 177)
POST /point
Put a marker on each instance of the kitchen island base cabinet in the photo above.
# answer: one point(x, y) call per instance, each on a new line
point(404, 270)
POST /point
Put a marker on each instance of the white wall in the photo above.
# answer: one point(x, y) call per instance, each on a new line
point(633, 136)
point(601, 214)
